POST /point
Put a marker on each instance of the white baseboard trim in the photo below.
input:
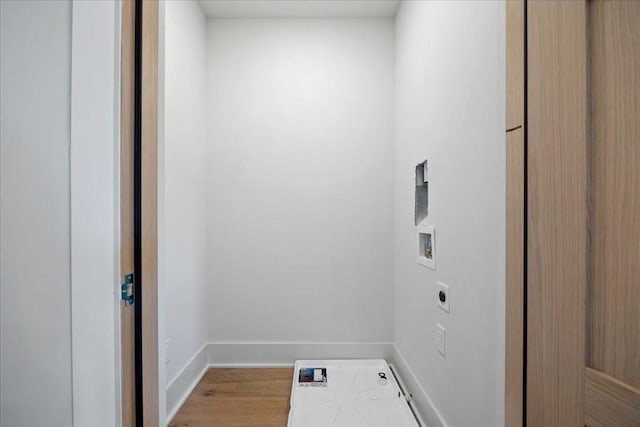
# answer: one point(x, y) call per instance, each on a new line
point(187, 379)
point(284, 354)
point(245, 354)
point(421, 403)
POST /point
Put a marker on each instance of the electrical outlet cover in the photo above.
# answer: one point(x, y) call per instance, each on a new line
point(444, 289)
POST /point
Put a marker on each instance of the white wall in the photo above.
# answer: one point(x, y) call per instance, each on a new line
point(35, 327)
point(300, 180)
point(95, 213)
point(185, 169)
point(450, 110)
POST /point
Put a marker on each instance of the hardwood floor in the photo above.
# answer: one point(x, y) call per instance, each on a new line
point(238, 398)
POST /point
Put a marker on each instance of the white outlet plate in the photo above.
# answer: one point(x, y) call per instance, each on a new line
point(167, 351)
point(441, 335)
point(441, 287)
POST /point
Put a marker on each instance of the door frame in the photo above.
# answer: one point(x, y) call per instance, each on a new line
point(516, 200)
point(140, 99)
point(95, 216)
point(544, 337)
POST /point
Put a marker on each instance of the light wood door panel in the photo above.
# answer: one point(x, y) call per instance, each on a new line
point(583, 347)
point(613, 316)
point(557, 217)
point(610, 402)
point(614, 312)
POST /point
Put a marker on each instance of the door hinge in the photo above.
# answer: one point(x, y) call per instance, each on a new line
point(126, 289)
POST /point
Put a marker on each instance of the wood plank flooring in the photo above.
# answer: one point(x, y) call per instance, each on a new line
point(238, 398)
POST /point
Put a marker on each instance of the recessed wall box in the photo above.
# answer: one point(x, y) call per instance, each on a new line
point(422, 192)
point(427, 246)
